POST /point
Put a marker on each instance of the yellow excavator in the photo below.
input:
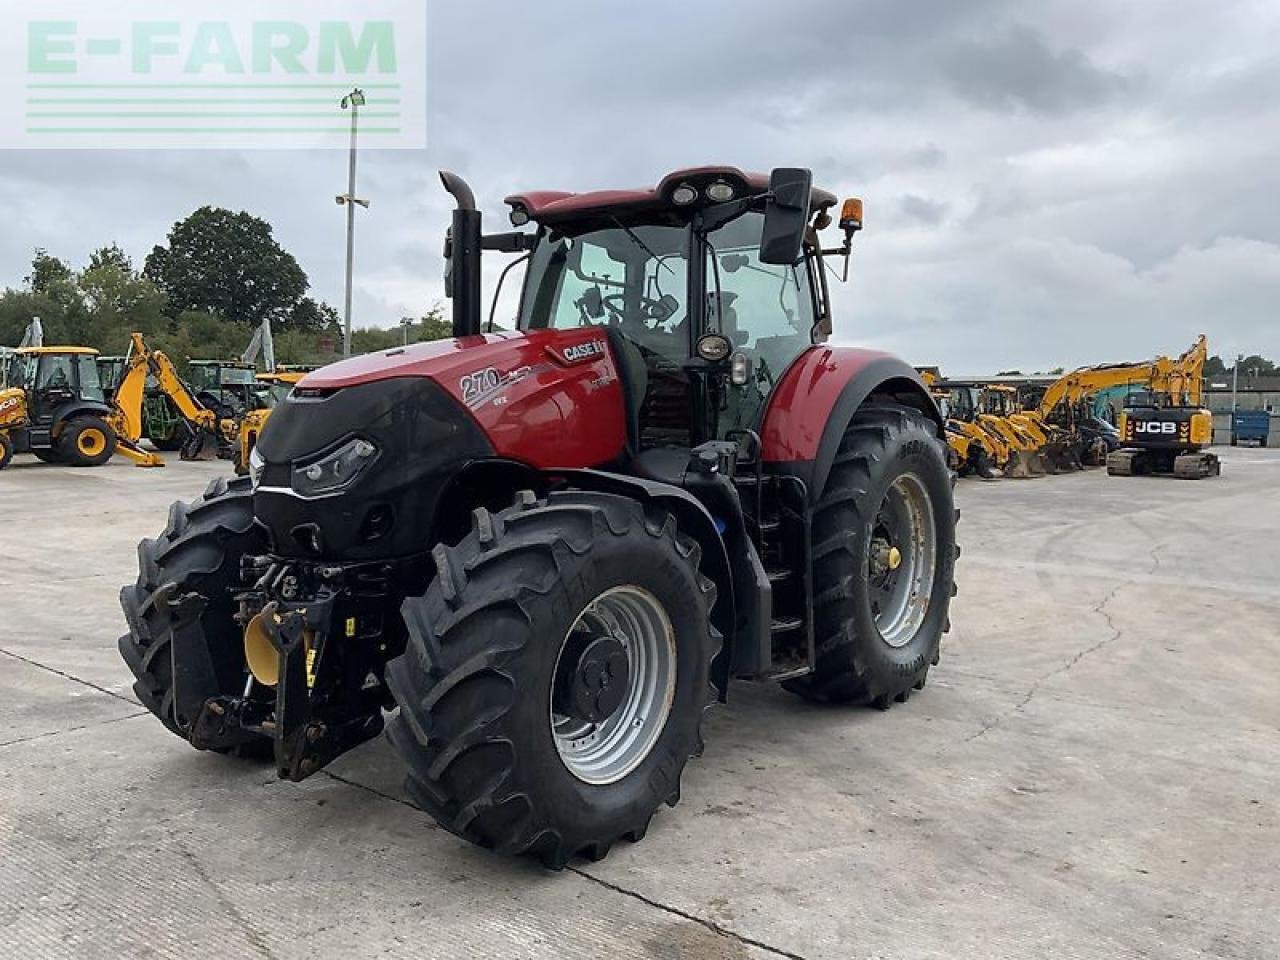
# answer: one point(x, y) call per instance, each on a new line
point(1173, 386)
point(995, 404)
point(1164, 429)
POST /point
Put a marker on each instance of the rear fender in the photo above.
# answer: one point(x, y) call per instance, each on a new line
point(816, 399)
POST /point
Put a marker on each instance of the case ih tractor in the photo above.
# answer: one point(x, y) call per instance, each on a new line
point(544, 552)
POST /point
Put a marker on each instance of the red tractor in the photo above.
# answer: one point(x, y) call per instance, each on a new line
point(546, 551)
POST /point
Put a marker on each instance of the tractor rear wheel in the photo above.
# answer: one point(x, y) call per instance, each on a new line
point(198, 553)
point(555, 677)
point(884, 560)
point(86, 442)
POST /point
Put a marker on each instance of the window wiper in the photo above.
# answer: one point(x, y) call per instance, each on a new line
point(641, 244)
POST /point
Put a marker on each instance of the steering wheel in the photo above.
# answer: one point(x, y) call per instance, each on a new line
point(654, 311)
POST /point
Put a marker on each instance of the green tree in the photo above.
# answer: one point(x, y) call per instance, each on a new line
point(1214, 366)
point(47, 272)
point(1254, 365)
point(110, 256)
point(310, 314)
point(228, 263)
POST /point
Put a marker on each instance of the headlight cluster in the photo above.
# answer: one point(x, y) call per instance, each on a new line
point(335, 471)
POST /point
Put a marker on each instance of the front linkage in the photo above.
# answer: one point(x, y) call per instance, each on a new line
point(317, 639)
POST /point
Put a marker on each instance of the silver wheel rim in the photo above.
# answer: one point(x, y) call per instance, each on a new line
point(900, 596)
point(605, 752)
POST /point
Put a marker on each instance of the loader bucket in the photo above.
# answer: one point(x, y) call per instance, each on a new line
point(1021, 465)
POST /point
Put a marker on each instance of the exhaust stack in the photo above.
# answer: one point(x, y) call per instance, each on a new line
point(462, 253)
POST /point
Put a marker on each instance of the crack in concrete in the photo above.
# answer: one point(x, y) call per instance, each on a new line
point(375, 792)
point(691, 917)
point(83, 726)
point(229, 908)
point(67, 676)
point(1099, 608)
point(710, 925)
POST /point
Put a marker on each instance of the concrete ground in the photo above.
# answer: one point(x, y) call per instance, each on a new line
point(1093, 770)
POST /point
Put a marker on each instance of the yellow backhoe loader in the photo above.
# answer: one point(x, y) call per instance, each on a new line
point(971, 449)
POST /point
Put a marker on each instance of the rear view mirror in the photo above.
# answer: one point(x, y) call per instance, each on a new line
point(786, 214)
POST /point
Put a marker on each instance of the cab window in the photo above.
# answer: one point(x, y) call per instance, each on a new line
point(90, 384)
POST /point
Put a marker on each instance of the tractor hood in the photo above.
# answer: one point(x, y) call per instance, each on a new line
point(352, 464)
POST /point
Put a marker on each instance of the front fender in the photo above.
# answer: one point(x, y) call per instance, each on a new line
point(816, 398)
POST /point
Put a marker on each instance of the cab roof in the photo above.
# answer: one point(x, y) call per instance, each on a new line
point(552, 206)
point(44, 350)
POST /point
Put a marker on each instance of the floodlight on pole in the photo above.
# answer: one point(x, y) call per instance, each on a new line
point(353, 101)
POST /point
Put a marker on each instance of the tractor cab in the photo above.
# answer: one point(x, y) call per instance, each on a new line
point(683, 283)
point(229, 387)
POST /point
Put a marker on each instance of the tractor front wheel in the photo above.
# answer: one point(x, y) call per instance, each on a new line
point(555, 677)
point(197, 554)
point(884, 560)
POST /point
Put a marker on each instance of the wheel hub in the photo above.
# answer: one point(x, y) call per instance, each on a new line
point(599, 680)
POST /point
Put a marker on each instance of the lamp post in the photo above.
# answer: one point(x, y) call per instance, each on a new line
point(353, 101)
point(405, 324)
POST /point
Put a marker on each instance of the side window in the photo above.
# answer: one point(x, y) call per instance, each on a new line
point(90, 385)
point(590, 272)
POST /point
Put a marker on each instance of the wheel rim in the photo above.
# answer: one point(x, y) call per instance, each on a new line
point(91, 442)
point(902, 560)
point(603, 751)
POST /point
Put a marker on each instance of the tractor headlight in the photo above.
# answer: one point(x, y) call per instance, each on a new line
point(335, 471)
point(257, 463)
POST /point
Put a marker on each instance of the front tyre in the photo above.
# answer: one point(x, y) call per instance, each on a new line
point(555, 677)
point(6, 450)
point(198, 553)
point(86, 442)
point(884, 560)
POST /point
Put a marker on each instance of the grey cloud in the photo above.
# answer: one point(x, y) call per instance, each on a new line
point(922, 209)
point(1019, 71)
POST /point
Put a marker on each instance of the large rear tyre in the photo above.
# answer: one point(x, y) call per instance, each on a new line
point(883, 562)
point(86, 442)
point(198, 553)
point(555, 677)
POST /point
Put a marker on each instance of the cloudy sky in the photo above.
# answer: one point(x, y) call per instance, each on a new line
point(1046, 184)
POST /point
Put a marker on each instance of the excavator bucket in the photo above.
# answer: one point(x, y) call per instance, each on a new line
point(199, 445)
